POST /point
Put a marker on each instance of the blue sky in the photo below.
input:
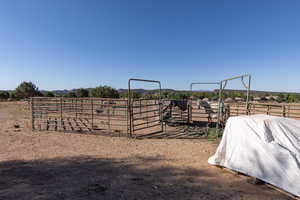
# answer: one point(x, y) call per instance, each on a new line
point(65, 44)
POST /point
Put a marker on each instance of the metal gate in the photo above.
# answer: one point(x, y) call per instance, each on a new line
point(145, 115)
point(79, 114)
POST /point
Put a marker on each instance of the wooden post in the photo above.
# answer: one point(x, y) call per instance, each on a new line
point(56, 105)
point(283, 110)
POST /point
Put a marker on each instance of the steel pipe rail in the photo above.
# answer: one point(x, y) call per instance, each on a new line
point(130, 111)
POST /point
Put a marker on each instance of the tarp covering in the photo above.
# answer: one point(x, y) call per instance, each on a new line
point(262, 146)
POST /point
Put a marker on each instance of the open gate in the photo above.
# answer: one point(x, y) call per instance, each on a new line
point(145, 115)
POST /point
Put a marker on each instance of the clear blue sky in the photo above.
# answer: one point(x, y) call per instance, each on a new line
point(65, 44)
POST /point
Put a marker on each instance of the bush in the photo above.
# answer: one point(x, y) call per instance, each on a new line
point(70, 95)
point(134, 95)
point(82, 92)
point(4, 95)
point(105, 92)
point(292, 98)
point(26, 90)
point(49, 94)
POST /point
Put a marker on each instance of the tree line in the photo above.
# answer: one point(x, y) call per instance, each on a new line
point(29, 89)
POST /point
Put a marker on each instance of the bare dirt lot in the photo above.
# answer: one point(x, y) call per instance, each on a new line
point(55, 165)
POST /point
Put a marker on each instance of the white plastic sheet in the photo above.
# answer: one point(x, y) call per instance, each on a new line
point(262, 146)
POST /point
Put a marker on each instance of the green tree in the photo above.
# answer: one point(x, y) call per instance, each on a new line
point(135, 95)
point(178, 95)
point(148, 96)
point(49, 94)
point(105, 92)
point(281, 98)
point(165, 94)
point(4, 95)
point(70, 95)
point(25, 90)
point(82, 92)
point(292, 98)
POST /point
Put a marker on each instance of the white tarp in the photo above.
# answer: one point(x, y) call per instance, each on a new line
point(262, 146)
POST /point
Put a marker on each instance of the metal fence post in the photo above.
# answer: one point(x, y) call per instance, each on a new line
point(219, 109)
point(92, 110)
point(61, 108)
point(32, 114)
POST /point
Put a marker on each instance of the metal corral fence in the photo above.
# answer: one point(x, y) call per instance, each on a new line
point(143, 116)
point(236, 109)
point(79, 114)
point(275, 109)
point(146, 116)
point(111, 116)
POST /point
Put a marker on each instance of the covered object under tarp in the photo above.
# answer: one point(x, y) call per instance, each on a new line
point(262, 146)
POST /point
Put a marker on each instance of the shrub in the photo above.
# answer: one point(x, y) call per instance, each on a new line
point(134, 95)
point(25, 90)
point(49, 94)
point(82, 92)
point(105, 92)
point(4, 95)
point(70, 95)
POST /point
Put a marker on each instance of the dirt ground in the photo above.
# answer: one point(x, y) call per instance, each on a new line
point(55, 165)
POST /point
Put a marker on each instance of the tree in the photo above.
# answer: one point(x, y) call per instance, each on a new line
point(281, 98)
point(178, 95)
point(105, 92)
point(70, 95)
point(134, 95)
point(49, 94)
point(82, 92)
point(4, 95)
point(25, 90)
point(292, 98)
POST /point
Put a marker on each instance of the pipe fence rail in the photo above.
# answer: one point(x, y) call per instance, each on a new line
point(112, 116)
point(137, 117)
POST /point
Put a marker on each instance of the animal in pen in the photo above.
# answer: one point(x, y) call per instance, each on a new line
point(212, 110)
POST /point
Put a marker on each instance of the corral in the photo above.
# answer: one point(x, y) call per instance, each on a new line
point(186, 118)
point(55, 165)
point(137, 118)
point(147, 118)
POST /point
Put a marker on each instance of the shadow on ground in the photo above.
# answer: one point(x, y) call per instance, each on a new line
point(95, 178)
